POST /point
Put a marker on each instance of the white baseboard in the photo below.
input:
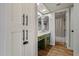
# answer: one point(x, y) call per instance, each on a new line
point(53, 44)
point(60, 39)
point(75, 53)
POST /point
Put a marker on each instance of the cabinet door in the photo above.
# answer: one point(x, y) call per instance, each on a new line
point(23, 29)
point(29, 10)
point(17, 30)
point(17, 48)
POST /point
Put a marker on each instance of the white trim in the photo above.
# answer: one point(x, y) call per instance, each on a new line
point(67, 25)
point(67, 28)
point(60, 39)
point(76, 53)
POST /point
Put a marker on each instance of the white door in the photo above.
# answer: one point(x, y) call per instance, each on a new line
point(75, 20)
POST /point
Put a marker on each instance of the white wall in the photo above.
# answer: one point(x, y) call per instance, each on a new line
point(2, 30)
point(67, 38)
point(75, 26)
point(71, 26)
point(52, 28)
point(5, 16)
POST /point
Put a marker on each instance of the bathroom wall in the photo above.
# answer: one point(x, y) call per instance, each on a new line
point(75, 27)
point(52, 28)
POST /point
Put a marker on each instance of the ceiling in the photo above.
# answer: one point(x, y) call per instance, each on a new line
point(42, 9)
point(45, 8)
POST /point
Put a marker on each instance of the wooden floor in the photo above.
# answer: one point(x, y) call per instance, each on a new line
point(58, 50)
point(44, 52)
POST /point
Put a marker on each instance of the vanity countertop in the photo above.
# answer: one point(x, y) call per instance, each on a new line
point(43, 33)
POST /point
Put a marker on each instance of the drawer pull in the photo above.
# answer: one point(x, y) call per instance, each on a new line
point(26, 42)
point(27, 20)
point(23, 19)
point(23, 35)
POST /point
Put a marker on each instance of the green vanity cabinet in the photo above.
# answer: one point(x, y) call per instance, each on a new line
point(48, 39)
point(43, 41)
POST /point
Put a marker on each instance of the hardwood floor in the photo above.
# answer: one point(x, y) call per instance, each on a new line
point(58, 50)
point(44, 52)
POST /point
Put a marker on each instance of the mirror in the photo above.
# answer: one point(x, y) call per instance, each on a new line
point(43, 23)
point(39, 24)
point(46, 23)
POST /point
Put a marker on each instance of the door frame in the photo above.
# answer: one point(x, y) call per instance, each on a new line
point(67, 37)
point(57, 37)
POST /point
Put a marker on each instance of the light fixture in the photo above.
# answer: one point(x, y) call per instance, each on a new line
point(38, 4)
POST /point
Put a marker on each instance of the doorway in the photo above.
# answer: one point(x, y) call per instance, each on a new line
point(60, 28)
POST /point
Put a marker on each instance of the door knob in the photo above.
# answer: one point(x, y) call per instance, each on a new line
point(72, 31)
